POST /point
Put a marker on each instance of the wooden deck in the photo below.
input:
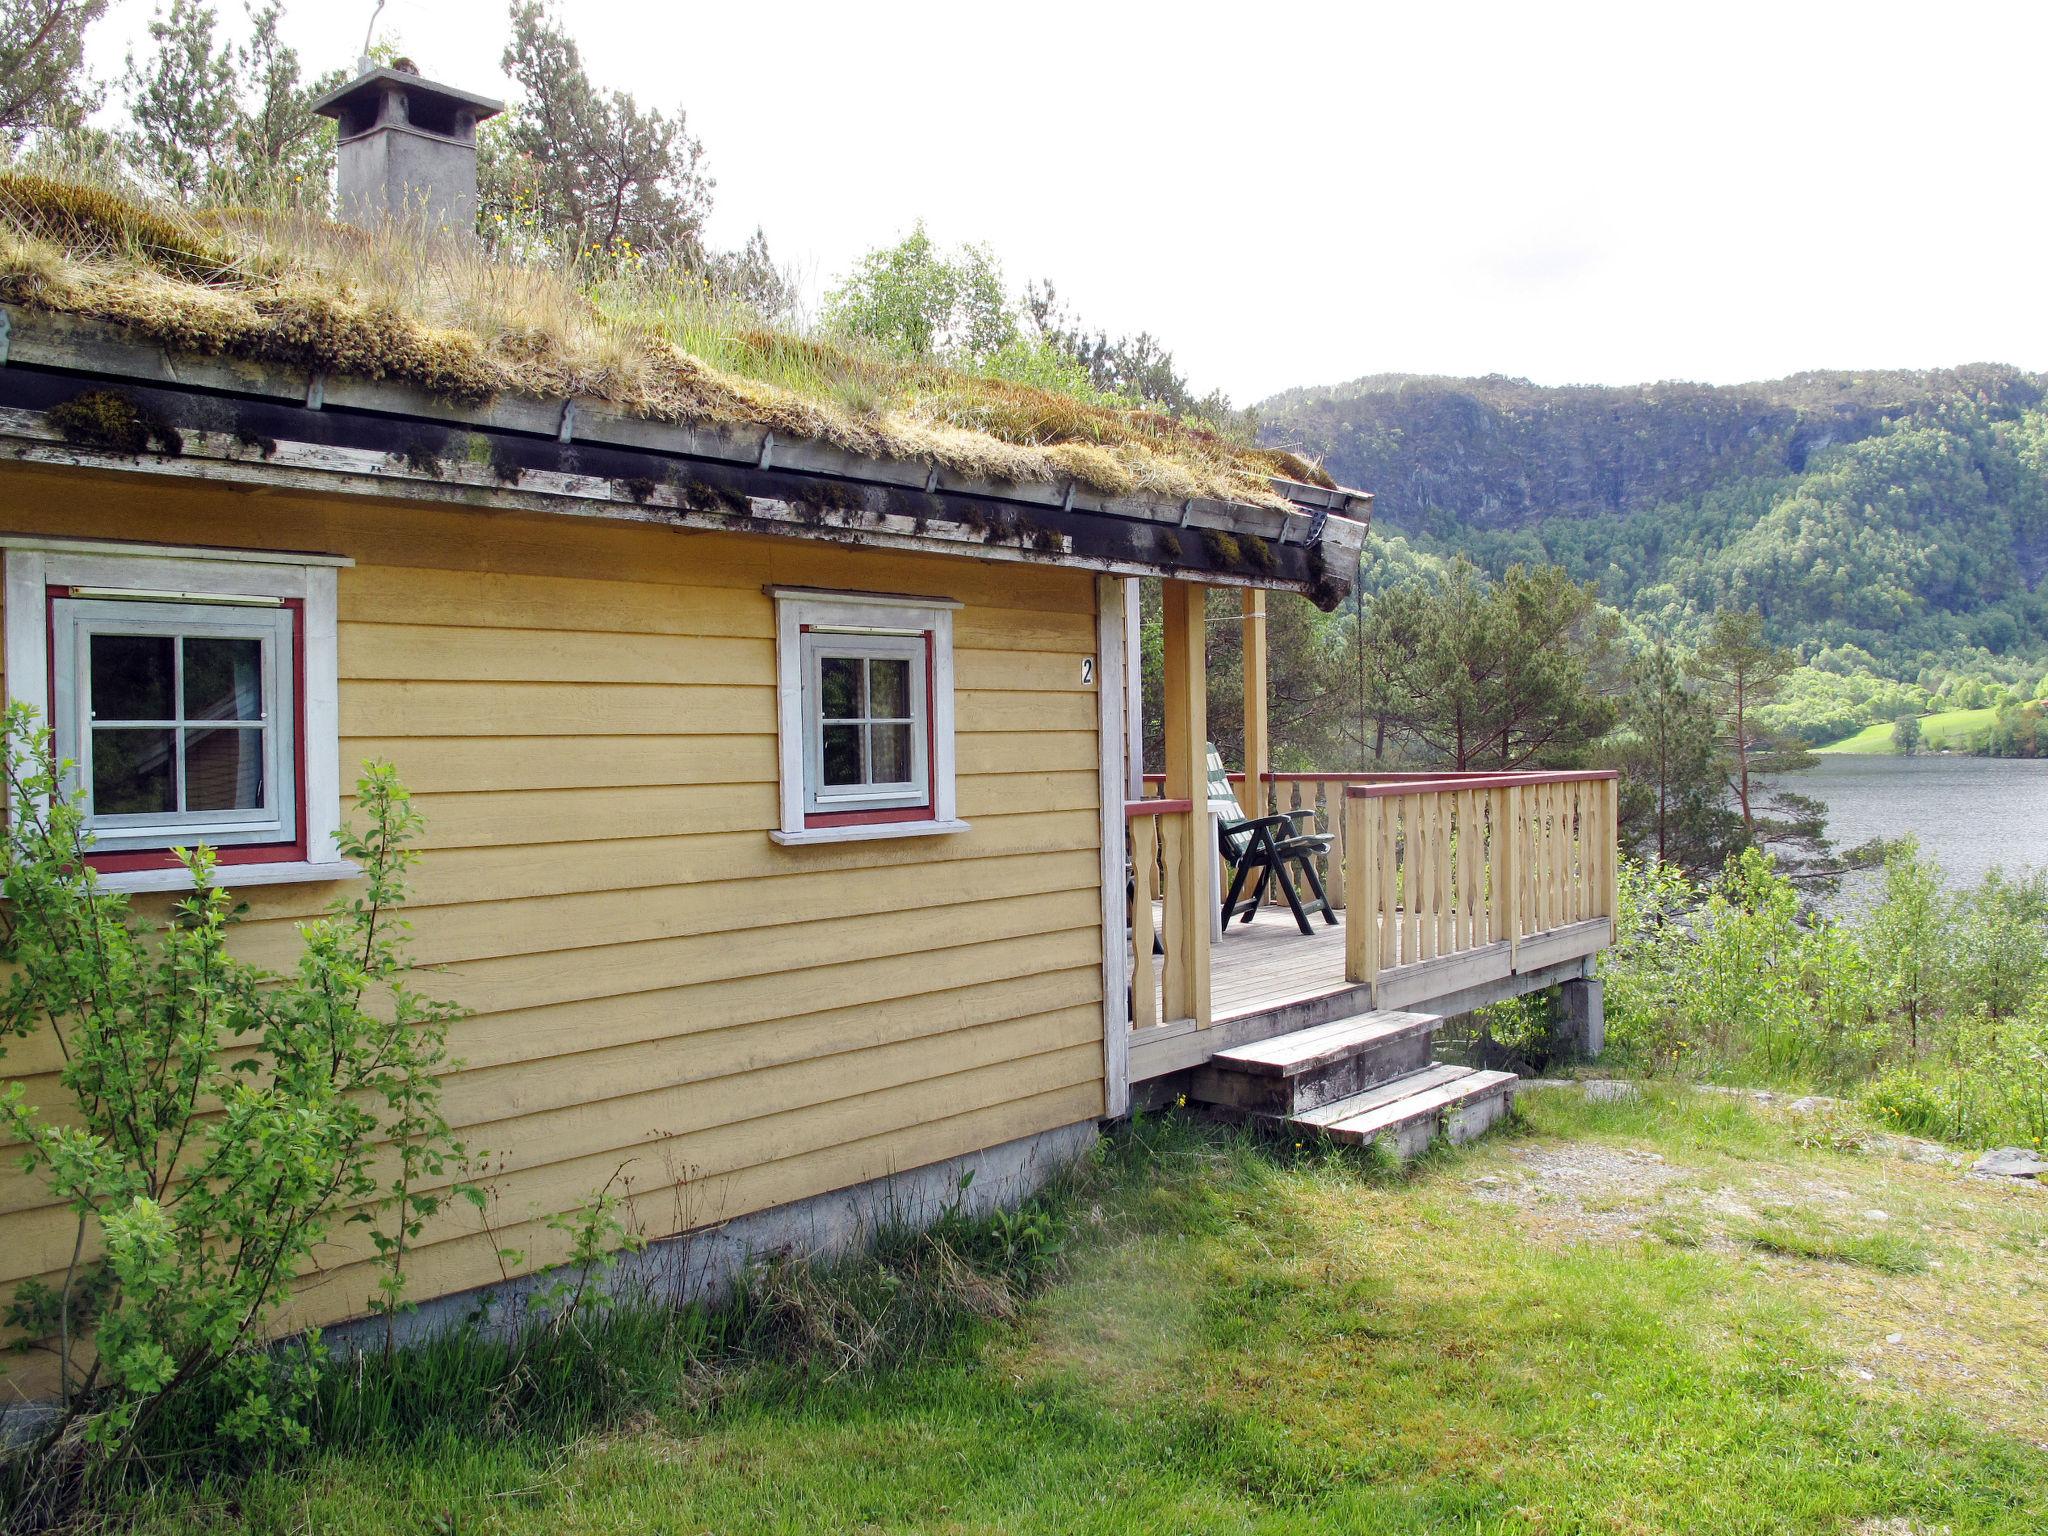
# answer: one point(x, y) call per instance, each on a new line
point(1267, 979)
point(1269, 964)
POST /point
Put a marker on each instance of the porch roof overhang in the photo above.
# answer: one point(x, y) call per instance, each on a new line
point(239, 421)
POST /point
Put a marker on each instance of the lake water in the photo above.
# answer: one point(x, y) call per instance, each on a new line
point(1972, 814)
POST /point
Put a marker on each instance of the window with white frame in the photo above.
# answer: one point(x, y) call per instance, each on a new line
point(865, 715)
point(179, 718)
point(191, 694)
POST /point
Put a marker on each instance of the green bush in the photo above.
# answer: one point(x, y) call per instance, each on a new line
point(1907, 1099)
point(1642, 970)
point(1932, 1006)
point(220, 1123)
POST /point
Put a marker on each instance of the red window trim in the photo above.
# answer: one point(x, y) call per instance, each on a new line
point(293, 852)
point(896, 813)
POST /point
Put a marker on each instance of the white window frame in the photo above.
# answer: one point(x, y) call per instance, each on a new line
point(810, 623)
point(821, 645)
point(75, 716)
point(167, 573)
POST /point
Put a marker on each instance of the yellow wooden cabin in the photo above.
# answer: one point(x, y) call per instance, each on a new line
point(786, 842)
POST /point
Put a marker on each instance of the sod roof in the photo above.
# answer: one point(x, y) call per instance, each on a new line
point(452, 320)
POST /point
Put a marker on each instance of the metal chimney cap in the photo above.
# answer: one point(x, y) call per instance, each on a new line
point(362, 92)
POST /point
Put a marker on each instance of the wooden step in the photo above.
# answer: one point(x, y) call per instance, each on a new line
point(1406, 1113)
point(1290, 1074)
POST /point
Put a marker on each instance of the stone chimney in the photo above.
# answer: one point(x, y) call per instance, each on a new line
point(407, 148)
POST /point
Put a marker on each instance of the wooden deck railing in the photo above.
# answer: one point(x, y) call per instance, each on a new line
point(1166, 837)
point(1456, 880)
point(1322, 793)
point(1446, 880)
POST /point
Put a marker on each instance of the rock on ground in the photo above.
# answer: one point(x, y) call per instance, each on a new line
point(2010, 1163)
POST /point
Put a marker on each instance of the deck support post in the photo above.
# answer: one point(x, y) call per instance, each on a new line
point(1134, 693)
point(1251, 794)
point(1582, 1025)
point(1512, 875)
point(1189, 919)
point(1363, 917)
point(1117, 961)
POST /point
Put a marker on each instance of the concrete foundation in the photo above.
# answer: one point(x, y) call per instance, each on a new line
point(1582, 1019)
point(703, 1264)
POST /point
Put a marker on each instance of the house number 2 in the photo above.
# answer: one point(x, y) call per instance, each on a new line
point(1087, 670)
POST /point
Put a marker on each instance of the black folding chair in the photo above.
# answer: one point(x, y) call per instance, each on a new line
point(1266, 847)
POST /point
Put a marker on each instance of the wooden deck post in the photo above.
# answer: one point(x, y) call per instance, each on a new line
point(1134, 693)
point(1512, 874)
point(1361, 876)
point(1257, 757)
point(1186, 700)
point(1118, 911)
point(1610, 855)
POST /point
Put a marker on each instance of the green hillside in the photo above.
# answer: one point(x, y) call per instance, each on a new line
point(1892, 527)
point(1948, 730)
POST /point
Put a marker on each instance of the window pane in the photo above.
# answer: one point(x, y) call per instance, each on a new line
point(842, 754)
point(131, 773)
point(889, 690)
point(224, 768)
point(890, 745)
point(840, 680)
point(223, 679)
point(131, 677)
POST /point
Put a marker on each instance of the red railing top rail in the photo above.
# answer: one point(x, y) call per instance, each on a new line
point(1466, 780)
point(1461, 781)
point(1157, 807)
point(1385, 775)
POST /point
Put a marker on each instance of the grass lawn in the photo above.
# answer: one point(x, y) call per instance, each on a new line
point(1946, 728)
point(1677, 1313)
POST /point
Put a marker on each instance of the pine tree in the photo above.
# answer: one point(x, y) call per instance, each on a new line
point(284, 152)
point(1496, 675)
point(605, 174)
point(43, 84)
point(1673, 784)
point(1743, 671)
point(181, 102)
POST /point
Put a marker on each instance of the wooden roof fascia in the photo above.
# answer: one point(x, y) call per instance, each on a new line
point(767, 517)
point(281, 442)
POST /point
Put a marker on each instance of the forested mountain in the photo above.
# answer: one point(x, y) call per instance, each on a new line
point(1892, 527)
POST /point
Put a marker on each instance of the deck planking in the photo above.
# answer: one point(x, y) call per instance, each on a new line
point(1268, 963)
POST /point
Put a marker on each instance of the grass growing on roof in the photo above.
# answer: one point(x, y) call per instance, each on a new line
point(1251, 1337)
point(303, 292)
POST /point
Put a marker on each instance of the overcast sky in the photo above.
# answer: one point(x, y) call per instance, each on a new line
point(1299, 194)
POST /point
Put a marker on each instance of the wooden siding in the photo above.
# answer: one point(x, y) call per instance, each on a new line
point(587, 714)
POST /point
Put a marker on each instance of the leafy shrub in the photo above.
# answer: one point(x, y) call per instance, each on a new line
point(1641, 972)
point(1026, 1243)
point(1907, 1099)
point(2000, 959)
point(220, 1122)
point(1735, 978)
point(1933, 1006)
point(1517, 1034)
point(1991, 1085)
point(2018, 1067)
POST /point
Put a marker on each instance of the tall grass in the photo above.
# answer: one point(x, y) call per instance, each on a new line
point(589, 1356)
point(913, 1297)
point(661, 339)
